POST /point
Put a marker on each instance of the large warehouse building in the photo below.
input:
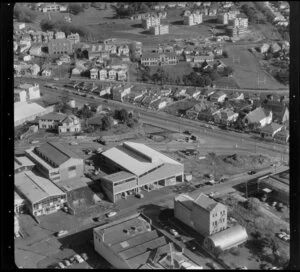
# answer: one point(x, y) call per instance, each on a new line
point(134, 243)
point(136, 166)
point(56, 162)
point(41, 195)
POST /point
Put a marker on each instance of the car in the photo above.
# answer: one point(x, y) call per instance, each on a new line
point(174, 232)
point(67, 262)
point(78, 258)
point(84, 256)
point(61, 265)
point(139, 195)
point(251, 172)
point(62, 233)
point(111, 214)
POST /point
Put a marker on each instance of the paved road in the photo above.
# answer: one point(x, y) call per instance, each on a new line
point(43, 80)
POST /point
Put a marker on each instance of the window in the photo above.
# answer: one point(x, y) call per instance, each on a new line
point(71, 168)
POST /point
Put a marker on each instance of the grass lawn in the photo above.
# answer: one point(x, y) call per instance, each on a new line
point(226, 82)
point(182, 68)
point(246, 71)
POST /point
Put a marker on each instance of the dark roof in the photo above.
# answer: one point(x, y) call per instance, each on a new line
point(205, 202)
point(56, 152)
point(55, 116)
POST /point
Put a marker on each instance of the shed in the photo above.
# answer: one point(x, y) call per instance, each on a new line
point(226, 239)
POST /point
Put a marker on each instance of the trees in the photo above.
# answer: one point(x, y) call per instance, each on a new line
point(85, 113)
point(24, 14)
point(75, 8)
point(253, 204)
point(106, 123)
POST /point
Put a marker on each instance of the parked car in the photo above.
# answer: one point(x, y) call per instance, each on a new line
point(84, 256)
point(62, 233)
point(174, 232)
point(78, 258)
point(251, 172)
point(67, 262)
point(111, 214)
point(139, 195)
point(61, 265)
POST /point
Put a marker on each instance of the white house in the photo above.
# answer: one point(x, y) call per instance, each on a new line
point(259, 115)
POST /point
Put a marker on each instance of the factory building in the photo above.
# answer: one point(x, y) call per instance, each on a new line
point(41, 195)
point(136, 166)
point(56, 161)
point(133, 243)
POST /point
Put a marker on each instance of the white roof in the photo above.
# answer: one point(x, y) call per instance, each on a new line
point(137, 158)
point(23, 110)
point(34, 187)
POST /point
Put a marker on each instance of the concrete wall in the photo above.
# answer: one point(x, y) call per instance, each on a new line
point(201, 219)
point(78, 172)
point(182, 213)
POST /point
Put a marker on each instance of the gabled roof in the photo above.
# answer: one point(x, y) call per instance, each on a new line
point(56, 152)
point(55, 116)
point(257, 115)
point(271, 128)
point(205, 202)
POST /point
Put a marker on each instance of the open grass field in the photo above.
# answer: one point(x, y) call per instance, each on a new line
point(182, 68)
point(247, 70)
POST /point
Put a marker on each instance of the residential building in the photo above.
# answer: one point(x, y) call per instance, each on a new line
point(268, 132)
point(103, 74)
point(123, 50)
point(60, 47)
point(36, 37)
point(259, 115)
point(41, 195)
point(192, 19)
point(134, 243)
point(203, 214)
point(65, 58)
point(218, 97)
point(35, 50)
point(52, 8)
point(205, 58)
point(159, 29)
point(19, 26)
point(150, 21)
point(27, 58)
point(112, 74)
point(19, 203)
point(264, 48)
point(119, 92)
point(32, 90)
point(60, 122)
point(74, 37)
point(225, 117)
point(226, 239)
point(154, 59)
point(121, 75)
point(282, 136)
point(47, 36)
point(279, 109)
point(56, 161)
point(20, 95)
point(60, 35)
point(94, 73)
point(150, 168)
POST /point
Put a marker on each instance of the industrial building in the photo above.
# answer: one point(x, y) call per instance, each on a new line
point(133, 243)
point(23, 163)
point(60, 47)
point(136, 166)
point(24, 111)
point(203, 214)
point(41, 195)
point(56, 161)
point(226, 239)
point(18, 203)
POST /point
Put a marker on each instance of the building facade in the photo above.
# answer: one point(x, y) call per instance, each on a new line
point(192, 19)
point(60, 47)
point(159, 29)
point(150, 21)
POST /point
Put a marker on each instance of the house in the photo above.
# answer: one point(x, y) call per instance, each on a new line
point(264, 48)
point(154, 59)
point(207, 114)
point(279, 109)
point(74, 37)
point(121, 75)
point(225, 117)
point(51, 120)
point(35, 50)
point(94, 73)
point(27, 58)
point(119, 92)
point(60, 35)
point(65, 58)
point(236, 96)
point(201, 59)
point(71, 124)
point(112, 74)
point(218, 97)
point(268, 131)
point(259, 115)
point(282, 136)
point(103, 74)
point(60, 47)
point(46, 72)
point(203, 214)
point(20, 95)
point(56, 162)
point(275, 47)
point(32, 90)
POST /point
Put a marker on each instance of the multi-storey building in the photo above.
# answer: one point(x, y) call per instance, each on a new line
point(203, 214)
point(60, 47)
point(32, 90)
point(103, 74)
point(112, 74)
point(192, 19)
point(150, 21)
point(159, 29)
point(56, 161)
point(60, 35)
point(74, 37)
point(94, 73)
point(121, 75)
point(154, 59)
